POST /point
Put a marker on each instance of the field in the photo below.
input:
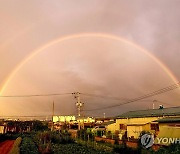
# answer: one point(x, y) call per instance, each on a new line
point(44, 141)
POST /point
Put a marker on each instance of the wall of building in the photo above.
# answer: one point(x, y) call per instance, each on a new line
point(167, 134)
point(1, 129)
point(112, 127)
point(134, 126)
point(137, 120)
point(63, 118)
point(134, 131)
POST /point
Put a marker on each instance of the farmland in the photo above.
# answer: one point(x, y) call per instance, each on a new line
point(41, 140)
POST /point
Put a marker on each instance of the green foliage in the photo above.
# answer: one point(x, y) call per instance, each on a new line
point(15, 149)
point(28, 146)
point(75, 149)
point(173, 149)
point(3, 137)
point(52, 137)
point(45, 139)
point(9, 136)
point(108, 134)
point(99, 133)
point(122, 149)
point(85, 134)
point(96, 145)
point(39, 126)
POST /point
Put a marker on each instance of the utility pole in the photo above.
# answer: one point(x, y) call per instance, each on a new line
point(52, 116)
point(153, 105)
point(53, 110)
point(154, 101)
point(79, 106)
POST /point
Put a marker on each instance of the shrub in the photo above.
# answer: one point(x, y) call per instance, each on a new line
point(173, 148)
point(104, 147)
point(122, 149)
point(53, 137)
point(28, 146)
point(74, 148)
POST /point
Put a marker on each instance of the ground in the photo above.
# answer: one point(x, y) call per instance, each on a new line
point(6, 146)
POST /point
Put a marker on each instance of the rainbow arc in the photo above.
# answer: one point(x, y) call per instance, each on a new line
point(84, 35)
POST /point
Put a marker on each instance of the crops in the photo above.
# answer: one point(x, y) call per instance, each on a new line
point(61, 143)
point(52, 137)
point(74, 148)
point(95, 145)
point(28, 146)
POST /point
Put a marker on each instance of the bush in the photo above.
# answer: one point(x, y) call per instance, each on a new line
point(122, 149)
point(85, 135)
point(3, 137)
point(52, 137)
point(74, 148)
point(173, 148)
point(104, 147)
point(39, 126)
point(28, 146)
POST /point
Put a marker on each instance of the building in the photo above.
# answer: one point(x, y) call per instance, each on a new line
point(103, 120)
point(169, 130)
point(132, 123)
point(67, 118)
point(71, 122)
point(2, 129)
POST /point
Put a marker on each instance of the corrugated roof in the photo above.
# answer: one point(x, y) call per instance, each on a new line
point(173, 111)
point(169, 119)
point(107, 123)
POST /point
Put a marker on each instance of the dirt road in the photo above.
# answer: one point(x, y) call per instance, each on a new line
point(6, 146)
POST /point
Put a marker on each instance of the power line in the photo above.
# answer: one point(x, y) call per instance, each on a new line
point(39, 95)
point(103, 96)
point(12, 116)
point(26, 116)
point(157, 92)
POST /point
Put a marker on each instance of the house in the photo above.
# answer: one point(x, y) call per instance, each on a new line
point(61, 118)
point(103, 120)
point(169, 130)
point(169, 121)
point(71, 122)
point(132, 123)
point(2, 129)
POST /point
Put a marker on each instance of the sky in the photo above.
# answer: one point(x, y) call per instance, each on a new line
point(119, 48)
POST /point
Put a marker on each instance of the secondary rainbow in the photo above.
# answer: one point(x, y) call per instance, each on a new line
point(82, 35)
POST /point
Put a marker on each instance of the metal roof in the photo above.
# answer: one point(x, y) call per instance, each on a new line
point(169, 119)
point(107, 123)
point(173, 111)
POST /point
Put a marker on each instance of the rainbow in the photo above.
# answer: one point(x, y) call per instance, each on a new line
point(83, 35)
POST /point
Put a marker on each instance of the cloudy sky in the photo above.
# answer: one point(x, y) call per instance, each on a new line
point(119, 48)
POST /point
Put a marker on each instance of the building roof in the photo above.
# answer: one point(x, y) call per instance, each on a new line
point(173, 111)
point(168, 120)
point(136, 124)
point(108, 118)
point(107, 123)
